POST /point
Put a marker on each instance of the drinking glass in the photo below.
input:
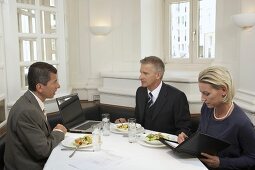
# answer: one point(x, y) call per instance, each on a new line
point(106, 124)
point(132, 130)
point(96, 137)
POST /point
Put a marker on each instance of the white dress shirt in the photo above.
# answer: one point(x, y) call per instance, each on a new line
point(155, 92)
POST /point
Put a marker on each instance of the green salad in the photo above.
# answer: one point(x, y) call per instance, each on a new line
point(154, 136)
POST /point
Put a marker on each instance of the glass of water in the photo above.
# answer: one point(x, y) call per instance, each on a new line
point(132, 130)
point(106, 124)
point(96, 137)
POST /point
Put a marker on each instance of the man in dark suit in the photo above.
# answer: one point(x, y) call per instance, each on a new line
point(160, 107)
point(29, 139)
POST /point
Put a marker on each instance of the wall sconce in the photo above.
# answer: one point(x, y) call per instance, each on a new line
point(244, 20)
point(100, 30)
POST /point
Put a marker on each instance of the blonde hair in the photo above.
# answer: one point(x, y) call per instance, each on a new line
point(218, 77)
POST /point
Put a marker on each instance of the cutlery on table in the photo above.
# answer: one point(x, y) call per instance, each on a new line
point(77, 147)
point(71, 149)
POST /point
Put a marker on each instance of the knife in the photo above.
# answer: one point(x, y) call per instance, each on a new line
point(71, 149)
point(78, 131)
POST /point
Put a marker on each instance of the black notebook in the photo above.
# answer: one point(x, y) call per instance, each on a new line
point(198, 143)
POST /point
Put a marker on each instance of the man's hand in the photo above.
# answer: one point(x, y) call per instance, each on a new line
point(121, 120)
point(181, 137)
point(210, 160)
point(61, 128)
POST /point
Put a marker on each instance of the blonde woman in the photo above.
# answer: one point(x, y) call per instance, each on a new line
point(224, 119)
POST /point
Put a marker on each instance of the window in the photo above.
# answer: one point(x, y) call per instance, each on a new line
point(37, 34)
point(190, 30)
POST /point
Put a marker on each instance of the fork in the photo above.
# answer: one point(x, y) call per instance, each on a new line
point(77, 147)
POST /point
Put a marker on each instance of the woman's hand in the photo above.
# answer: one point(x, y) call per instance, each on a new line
point(210, 160)
point(181, 137)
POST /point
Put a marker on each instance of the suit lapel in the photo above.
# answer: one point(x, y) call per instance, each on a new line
point(160, 102)
point(46, 121)
point(143, 102)
point(33, 100)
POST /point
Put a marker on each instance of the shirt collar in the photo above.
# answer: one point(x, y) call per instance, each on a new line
point(41, 104)
point(155, 92)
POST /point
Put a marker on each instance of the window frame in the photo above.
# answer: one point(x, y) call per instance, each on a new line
point(59, 35)
point(193, 33)
point(38, 36)
point(13, 63)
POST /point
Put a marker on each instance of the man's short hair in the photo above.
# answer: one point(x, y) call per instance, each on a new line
point(157, 62)
point(39, 72)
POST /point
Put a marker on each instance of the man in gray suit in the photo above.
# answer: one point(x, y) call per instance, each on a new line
point(29, 139)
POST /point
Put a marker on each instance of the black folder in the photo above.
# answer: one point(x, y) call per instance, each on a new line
point(198, 143)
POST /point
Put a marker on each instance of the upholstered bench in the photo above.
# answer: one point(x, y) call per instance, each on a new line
point(94, 112)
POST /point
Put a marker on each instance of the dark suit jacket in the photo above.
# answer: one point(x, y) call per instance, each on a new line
point(29, 140)
point(171, 113)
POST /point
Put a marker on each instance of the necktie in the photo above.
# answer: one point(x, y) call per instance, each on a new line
point(150, 102)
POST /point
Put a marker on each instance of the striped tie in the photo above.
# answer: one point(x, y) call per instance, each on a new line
point(150, 102)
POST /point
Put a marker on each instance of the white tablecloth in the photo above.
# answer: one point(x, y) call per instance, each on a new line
point(118, 154)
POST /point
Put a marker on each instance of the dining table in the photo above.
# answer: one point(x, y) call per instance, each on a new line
point(117, 153)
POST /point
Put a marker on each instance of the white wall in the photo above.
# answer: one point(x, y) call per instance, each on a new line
point(120, 88)
point(137, 31)
point(246, 89)
point(92, 54)
point(151, 28)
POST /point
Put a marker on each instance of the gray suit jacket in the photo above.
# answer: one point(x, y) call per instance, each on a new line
point(29, 140)
point(171, 113)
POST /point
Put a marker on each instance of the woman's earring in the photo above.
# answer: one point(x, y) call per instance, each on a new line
point(224, 98)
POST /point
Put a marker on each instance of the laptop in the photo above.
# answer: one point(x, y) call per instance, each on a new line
point(72, 115)
point(197, 143)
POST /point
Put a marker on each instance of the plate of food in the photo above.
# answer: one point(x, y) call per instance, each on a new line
point(123, 127)
point(82, 141)
point(143, 143)
point(153, 138)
